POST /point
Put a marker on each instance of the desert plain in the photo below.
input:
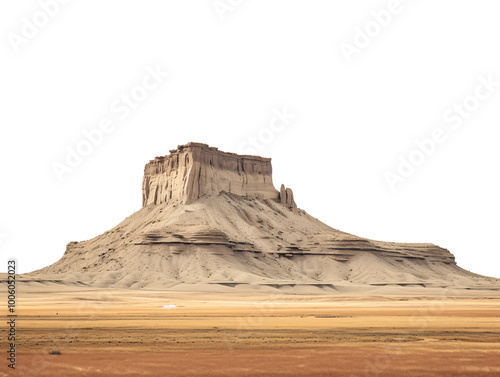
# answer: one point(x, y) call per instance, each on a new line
point(221, 274)
point(80, 331)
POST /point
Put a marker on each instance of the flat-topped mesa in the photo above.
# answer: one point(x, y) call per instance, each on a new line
point(194, 170)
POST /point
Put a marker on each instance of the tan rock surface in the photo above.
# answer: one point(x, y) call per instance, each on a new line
point(194, 170)
point(213, 221)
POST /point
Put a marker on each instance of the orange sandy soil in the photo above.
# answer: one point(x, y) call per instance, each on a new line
point(129, 333)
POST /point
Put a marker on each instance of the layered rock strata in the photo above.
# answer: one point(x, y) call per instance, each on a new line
point(194, 170)
point(214, 219)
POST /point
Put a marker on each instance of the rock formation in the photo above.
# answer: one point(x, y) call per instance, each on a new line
point(214, 220)
point(194, 170)
point(286, 197)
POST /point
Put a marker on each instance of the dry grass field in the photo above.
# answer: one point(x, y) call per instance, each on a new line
point(84, 332)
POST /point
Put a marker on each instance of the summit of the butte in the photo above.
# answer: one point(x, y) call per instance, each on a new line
point(214, 221)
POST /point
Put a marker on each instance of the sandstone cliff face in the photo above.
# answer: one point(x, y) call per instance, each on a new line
point(194, 170)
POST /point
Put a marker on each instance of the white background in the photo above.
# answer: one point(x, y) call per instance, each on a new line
point(226, 76)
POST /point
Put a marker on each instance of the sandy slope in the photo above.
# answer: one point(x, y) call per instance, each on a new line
point(228, 242)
